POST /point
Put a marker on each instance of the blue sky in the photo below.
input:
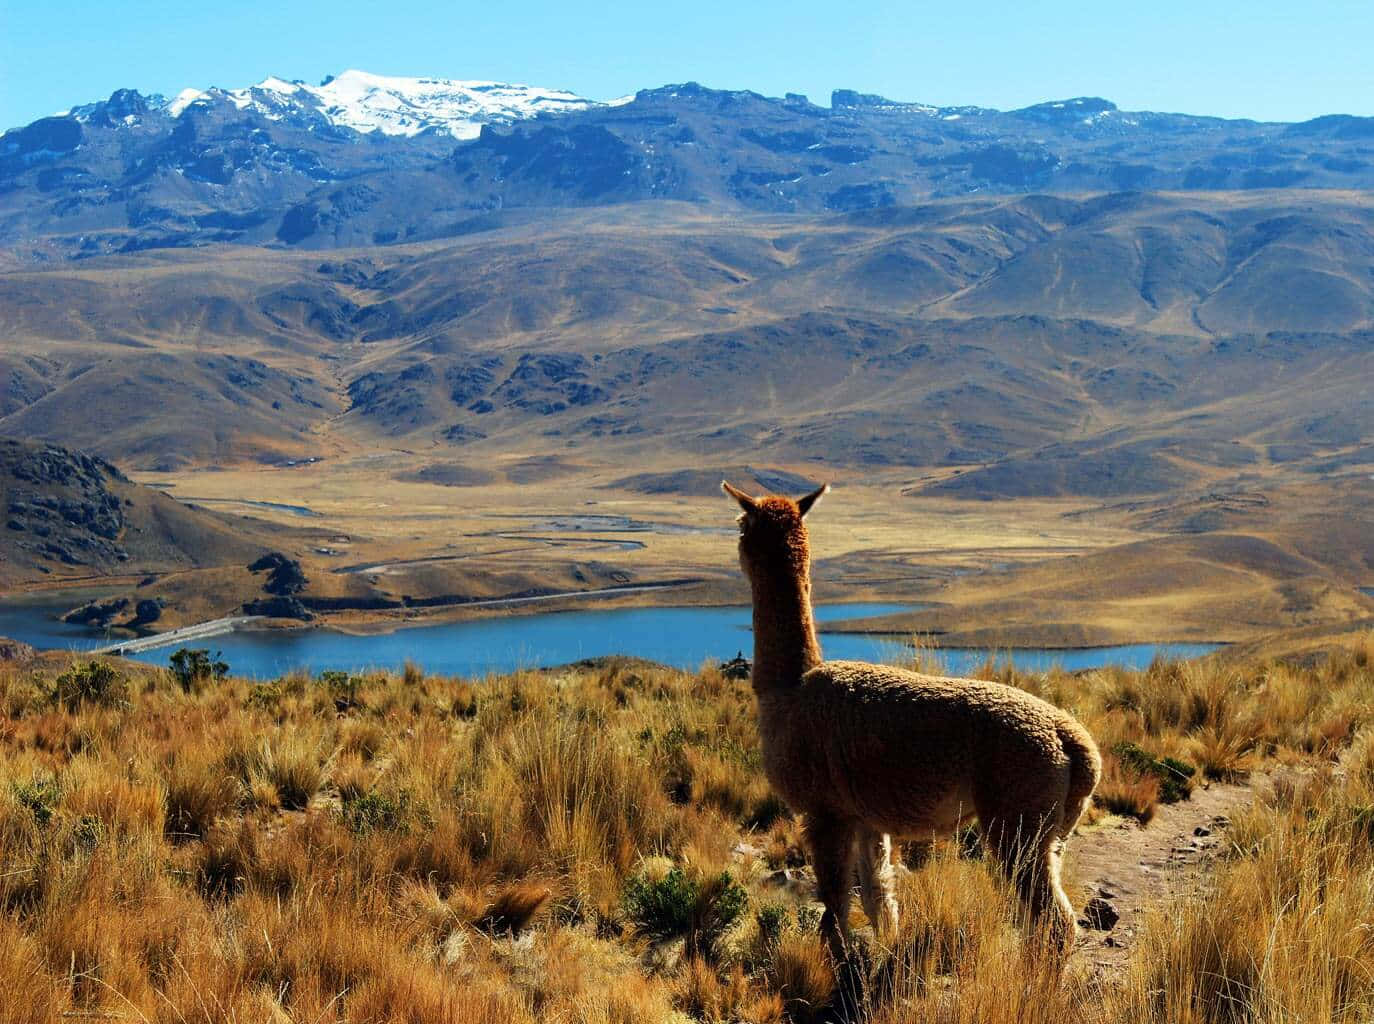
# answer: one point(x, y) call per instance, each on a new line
point(1262, 59)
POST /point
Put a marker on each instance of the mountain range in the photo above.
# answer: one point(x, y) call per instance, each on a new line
point(690, 272)
point(367, 160)
point(1150, 334)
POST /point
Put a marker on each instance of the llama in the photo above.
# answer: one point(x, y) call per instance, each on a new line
point(868, 752)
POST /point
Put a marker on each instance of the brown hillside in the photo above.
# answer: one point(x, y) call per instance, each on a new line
point(72, 515)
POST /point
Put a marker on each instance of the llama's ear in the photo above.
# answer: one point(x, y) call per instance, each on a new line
point(805, 504)
point(745, 502)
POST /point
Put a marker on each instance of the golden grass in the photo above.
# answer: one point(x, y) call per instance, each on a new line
point(434, 849)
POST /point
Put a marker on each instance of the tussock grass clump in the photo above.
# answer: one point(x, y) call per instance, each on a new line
point(197, 794)
point(563, 846)
point(294, 764)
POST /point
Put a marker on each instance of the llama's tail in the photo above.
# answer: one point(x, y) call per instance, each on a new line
point(1085, 770)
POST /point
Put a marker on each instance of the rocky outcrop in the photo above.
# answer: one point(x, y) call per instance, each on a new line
point(98, 614)
point(278, 608)
point(15, 651)
point(284, 575)
point(61, 505)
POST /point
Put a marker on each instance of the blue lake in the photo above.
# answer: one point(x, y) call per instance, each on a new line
point(683, 637)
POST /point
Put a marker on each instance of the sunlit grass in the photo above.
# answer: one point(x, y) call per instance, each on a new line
point(600, 845)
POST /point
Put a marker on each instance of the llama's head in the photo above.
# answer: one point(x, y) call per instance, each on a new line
point(772, 534)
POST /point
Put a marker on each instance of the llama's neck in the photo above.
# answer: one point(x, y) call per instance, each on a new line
point(785, 644)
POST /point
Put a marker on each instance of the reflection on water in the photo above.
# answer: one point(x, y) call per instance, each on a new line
point(683, 637)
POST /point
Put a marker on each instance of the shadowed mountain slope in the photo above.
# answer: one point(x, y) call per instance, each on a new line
point(70, 514)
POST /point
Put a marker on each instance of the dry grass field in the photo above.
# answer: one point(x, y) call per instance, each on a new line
point(597, 843)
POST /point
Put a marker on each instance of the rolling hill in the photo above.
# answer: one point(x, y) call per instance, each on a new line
point(72, 515)
point(1041, 346)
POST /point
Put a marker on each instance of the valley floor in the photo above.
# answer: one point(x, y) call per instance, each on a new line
point(1204, 567)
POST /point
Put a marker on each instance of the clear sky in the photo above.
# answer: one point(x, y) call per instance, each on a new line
point(1267, 59)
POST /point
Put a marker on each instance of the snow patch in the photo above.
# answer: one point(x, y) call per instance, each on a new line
point(396, 106)
point(184, 99)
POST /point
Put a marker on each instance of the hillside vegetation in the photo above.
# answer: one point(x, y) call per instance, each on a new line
point(597, 843)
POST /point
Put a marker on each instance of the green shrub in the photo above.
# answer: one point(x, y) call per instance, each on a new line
point(192, 666)
point(342, 687)
point(264, 697)
point(95, 683)
point(1175, 776)
point(373, 811)
point(40, 795)
point(701, 910)
point(771, 919)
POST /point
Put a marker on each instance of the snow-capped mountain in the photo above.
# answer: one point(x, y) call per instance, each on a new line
point(393, 106)
point(363, 159)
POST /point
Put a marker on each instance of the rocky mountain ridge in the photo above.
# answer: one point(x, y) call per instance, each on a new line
point(363, 160)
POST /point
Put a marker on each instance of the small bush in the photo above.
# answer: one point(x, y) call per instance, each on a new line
point(661, 908)
point(771, 919)
point(702, 910)
point(94, 683)
point(39, 796)
point(264, 697)
point(373, 811)
point(194, 666)
point(1175, 776)
point(342, 688)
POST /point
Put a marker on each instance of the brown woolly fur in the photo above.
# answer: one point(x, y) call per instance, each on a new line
point(870, 752)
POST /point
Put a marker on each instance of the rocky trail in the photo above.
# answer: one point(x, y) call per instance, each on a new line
point(1116, 871)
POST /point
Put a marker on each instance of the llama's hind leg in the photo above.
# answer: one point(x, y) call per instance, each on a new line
point(1029, 857)
point(831, 841)
point(1063, 929)
point(873, 858)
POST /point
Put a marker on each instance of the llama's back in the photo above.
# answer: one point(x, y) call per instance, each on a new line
point(919, 753)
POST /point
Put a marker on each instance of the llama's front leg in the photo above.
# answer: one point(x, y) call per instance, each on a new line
point(873, 857)
point(831, 841)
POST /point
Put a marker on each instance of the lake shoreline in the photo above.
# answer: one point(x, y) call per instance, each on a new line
point(536, 606)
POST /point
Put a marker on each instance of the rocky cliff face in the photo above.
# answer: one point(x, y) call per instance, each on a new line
point(59, 505)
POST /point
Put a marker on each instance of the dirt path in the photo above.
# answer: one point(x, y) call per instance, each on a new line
point(1134, 868)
